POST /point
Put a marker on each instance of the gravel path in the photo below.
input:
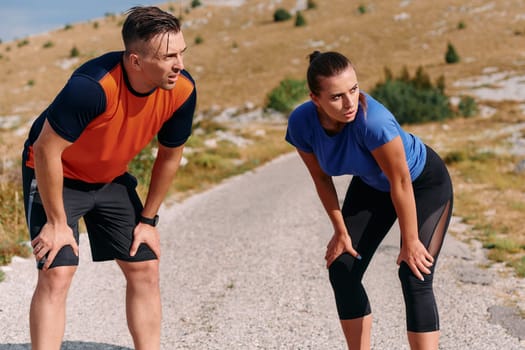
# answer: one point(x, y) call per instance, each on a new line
point(242, 268)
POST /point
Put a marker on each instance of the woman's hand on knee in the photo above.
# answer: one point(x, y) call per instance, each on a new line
point(339, 243)
point(417, 257)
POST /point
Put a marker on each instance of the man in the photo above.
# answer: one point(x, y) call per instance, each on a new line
point(75, 165)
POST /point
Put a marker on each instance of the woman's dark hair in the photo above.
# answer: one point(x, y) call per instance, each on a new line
point(326, 64)
point(144, 22)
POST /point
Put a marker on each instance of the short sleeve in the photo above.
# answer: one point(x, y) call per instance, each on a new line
point(81, 100)
point(176, 130)
point(380, 125)
point(298, 132)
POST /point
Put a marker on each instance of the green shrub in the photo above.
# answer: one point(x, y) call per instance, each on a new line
point(48, 44)
point(95, 25)
point(22, 43)
point(281, 15)
point(454, 157)
point(287, 95)
point(361, 9)
point(467, 106)
point(68, 27)
point(199, 40)
point(195, 3)
point(74, 52)
point(311, 4)
point(451, 56)
point(141, 165)
point(412, 100)
point(299, 19)
point(461, 25)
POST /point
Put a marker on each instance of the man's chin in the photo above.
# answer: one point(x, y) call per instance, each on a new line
point(168, 86)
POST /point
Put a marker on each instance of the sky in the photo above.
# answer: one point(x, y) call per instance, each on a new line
point(22, 18)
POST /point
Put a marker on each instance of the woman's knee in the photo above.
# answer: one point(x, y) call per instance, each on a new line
point(344, 272)
point(350, 295)
point(411, 284)
point(420, 303)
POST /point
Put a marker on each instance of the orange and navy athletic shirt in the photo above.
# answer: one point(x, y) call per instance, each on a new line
point(108, 123)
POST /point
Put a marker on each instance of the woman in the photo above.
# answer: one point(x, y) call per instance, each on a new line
point(344, 131)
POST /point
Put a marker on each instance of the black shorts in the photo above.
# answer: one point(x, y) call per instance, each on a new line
point(110, 212)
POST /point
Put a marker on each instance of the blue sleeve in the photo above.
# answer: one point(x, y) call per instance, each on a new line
point(380, 125)
point(177, 129)
point(79, 102)
point(298, 134)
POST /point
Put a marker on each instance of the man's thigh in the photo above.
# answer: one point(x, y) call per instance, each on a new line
point(111, 222)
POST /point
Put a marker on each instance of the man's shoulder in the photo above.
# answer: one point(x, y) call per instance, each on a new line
point(186, 81)
point(100, 66)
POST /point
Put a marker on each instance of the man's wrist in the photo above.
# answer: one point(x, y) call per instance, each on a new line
point(149, 221)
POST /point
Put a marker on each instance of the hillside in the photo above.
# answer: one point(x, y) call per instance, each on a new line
point(243, 54)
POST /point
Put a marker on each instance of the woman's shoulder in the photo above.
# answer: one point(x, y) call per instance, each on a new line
point(303, 114)
point(304, 110)
point(375, 107)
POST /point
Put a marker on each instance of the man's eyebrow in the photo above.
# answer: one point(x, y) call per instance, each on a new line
point(168, 54)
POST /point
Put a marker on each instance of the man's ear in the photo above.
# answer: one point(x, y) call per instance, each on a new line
point(135, 61)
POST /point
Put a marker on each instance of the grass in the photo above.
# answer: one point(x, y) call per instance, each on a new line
point(256, 54)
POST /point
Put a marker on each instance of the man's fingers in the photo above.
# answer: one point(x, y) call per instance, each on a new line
point(74, 245)
point(134, 247)
point(49, 259)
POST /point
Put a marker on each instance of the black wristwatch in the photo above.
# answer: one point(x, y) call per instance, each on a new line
point(150, 221)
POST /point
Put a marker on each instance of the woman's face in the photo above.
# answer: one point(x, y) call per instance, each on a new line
point(339, 96)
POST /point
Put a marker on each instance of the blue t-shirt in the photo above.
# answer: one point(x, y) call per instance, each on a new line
point(349, 151)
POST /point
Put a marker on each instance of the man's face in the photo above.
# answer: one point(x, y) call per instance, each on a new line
point(162, 61)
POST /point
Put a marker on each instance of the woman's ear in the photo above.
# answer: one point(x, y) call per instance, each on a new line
point(314, 98)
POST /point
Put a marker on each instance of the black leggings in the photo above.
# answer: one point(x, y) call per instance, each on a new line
point(369, 214)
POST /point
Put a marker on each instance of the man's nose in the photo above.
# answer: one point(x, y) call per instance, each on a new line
point(179, 64)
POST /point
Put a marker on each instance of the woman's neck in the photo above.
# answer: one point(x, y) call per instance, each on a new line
point(330, 126)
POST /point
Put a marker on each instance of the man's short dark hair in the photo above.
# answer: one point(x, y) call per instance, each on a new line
point(144, 22)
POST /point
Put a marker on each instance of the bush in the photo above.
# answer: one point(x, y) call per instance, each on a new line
point(287, 95)
point(48, 44)
point(451, 56)
point(310, 5)
point(467, 106)
point(199, 40)
point(22, 43)
point(281, 15)
point(361, 9)
point(74, 52)
point(195, 3)
point(412, 100)
point(299, 20)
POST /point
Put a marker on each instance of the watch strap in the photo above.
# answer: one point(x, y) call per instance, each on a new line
point(150, 221)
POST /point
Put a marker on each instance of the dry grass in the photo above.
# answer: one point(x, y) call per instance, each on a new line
point(244, 55)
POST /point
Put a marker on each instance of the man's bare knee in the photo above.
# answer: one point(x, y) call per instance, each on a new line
point(143, 273)
point(55, 282)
